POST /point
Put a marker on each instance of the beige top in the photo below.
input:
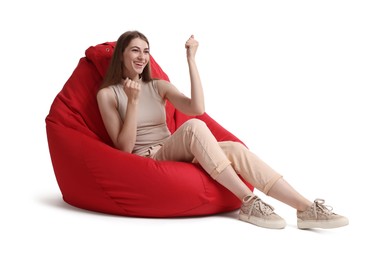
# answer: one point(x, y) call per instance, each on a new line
point(151, 125)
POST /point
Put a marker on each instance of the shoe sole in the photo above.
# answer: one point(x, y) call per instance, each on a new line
point(308, 224)
point(263, 223)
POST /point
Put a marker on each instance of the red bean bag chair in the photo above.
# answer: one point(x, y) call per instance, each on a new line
point(95, 176)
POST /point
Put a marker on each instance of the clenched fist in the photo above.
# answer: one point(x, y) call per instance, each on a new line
point(132, 89)
point(191, 45)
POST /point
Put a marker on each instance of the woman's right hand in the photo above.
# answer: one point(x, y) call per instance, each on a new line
point(132, 89)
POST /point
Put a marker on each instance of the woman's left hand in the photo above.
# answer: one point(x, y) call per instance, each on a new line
point(191, 46)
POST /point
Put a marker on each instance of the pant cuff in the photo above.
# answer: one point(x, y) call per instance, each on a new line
point(219, 169)
point(270, 184)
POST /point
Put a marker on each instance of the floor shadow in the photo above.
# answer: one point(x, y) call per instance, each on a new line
point(55, 201)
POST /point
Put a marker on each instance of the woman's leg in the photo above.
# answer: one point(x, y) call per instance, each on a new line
point(285, 193)
point(262, 176)
point(230, 179)
point(265, 179)
point(194, 142)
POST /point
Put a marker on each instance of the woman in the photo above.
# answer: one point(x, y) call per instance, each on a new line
point(132, 106)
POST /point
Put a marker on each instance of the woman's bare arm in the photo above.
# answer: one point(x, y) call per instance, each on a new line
point(122, 134)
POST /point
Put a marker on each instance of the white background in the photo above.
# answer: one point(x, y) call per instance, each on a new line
point(289, 78)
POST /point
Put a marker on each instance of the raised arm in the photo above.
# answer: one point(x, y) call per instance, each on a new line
point(194, 105)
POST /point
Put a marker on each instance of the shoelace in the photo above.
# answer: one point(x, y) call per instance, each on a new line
point(263, 207)
point(320, 206)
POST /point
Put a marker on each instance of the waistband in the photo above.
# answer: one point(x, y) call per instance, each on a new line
point(152, 150)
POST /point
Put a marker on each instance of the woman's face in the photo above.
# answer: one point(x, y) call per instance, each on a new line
point(135, 57)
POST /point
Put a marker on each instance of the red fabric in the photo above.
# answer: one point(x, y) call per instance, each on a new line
point(93, 175)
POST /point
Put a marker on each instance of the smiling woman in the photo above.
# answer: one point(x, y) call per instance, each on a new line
point(94, 175)
point(133, 105)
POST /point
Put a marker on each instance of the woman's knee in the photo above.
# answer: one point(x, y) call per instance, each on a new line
point(194, 125)
point(232, 147)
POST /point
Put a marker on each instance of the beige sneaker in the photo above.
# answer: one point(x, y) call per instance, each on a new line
point(259, 213)
point(320, 216)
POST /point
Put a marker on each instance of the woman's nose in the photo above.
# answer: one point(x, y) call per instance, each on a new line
point(141, 55)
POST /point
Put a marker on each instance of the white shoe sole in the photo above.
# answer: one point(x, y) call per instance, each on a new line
point(278, 224)
point(335, 223)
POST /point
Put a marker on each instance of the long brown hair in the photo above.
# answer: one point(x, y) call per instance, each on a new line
point(114, 72)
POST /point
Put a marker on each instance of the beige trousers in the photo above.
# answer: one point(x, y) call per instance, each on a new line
point(194, 142)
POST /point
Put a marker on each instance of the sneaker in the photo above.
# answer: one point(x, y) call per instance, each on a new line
point(259, 213)
point(320, 216)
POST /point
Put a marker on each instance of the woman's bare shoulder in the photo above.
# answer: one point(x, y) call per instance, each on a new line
point(162, 86)
point(104, 92)
point(105, 95)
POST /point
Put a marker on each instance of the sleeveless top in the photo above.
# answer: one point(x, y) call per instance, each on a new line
point(152, 129)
